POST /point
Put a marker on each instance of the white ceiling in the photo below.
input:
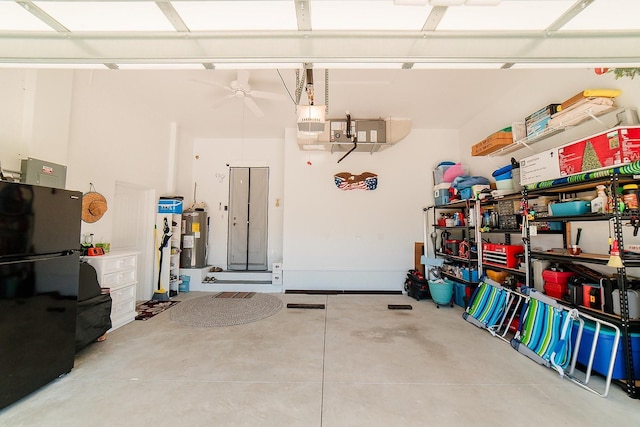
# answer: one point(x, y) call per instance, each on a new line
point(411, 61)
point(232, 32)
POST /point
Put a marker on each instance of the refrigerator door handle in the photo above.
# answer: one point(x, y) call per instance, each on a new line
point(34, 258)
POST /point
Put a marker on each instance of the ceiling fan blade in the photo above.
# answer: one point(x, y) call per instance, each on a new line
point(267, 95)
point(206, 82)
point(222, 100)
point(251, 104)
point(243, 78)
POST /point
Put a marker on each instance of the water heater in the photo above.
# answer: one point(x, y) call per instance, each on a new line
point(195, 231)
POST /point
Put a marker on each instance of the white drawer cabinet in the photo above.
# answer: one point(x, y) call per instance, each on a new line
point(118, 272)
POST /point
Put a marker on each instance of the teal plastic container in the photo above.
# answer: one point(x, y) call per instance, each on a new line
point(441, 291)
point(184, 284)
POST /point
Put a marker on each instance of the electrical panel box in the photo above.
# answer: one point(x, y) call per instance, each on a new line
point(40, 172)
point(367, 131)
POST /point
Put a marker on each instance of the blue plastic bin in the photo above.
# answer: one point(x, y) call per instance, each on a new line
point(459, 292)
point(603, 351)
point(183, 286)
point(465, 193)
point(470, 275)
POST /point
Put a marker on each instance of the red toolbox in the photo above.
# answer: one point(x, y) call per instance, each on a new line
point(559, 277)
point(556, 282)
point(502, 255)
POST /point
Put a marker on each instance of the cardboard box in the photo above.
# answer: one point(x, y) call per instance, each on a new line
point(629, 143)
point(540, 167)
point(492, 143)
point(538, 121)
point(593, 153)
point(615, 147)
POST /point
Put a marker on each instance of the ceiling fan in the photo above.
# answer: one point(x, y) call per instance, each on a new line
point(240, 89)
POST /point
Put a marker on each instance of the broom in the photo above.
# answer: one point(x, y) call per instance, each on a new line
point(160, 294)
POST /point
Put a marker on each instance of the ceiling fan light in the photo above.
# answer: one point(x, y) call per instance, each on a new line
point(311, 118)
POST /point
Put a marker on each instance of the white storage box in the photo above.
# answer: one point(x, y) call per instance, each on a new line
point(634, 303)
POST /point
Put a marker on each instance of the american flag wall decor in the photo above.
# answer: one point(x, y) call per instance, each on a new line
point(348, 181)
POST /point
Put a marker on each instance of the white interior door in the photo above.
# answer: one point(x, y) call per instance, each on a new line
point(133, 223)
point(248, 202)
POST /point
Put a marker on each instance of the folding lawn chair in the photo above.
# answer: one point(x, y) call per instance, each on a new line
point(545, 336)
point(493, 307)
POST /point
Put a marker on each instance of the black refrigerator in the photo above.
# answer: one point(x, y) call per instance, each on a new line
point(39, 269)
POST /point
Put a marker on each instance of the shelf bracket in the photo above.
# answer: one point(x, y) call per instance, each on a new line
point(589, 113)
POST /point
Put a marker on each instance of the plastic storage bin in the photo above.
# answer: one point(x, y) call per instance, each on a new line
point(555, 290)
point(441, 291)
point(578, 207)
point(184, 283)
point(633, 297)
point(560, 277)
point(556, 283)
point(438, 172)
point(441, 194)
point(466, 193)
point(603, 351)
point(459, 292)
point(504, 184)
point(470, 275)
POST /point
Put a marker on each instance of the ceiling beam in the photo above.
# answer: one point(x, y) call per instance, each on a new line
point(321, 46)
point(43, 16)
point(303, 14)
point(173, 16)
point(571, 13)
point(434, 18)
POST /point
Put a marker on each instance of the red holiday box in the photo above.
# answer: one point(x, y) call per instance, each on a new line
point(614, 147)
point(630, 143)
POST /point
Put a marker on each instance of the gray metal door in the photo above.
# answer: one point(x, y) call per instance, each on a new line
point(248, 202)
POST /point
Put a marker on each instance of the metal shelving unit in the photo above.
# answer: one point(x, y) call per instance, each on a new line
point(506, 233)
point(466, 233)
point(617, 217)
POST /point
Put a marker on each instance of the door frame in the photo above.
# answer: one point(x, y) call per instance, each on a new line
point(264, 265)
point(144, 242)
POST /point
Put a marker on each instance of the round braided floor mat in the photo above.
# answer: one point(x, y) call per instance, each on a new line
point(211, 311)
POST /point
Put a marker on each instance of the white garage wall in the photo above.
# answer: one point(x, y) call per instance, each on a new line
point(536, 90)
point(358, 240)
point(35, 109)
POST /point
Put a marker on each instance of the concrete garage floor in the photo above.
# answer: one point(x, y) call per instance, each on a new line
point(356, 363)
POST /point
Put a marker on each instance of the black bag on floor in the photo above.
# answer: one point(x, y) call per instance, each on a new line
point(417, 286)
